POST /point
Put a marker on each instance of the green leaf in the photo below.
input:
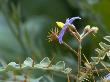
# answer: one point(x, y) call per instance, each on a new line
point(67, 70)
point(59, 66)
point(12, 66)
point(2, 69)
point(95, 60)
point(83, 75)
point(98, 50)
point(101, 53)
point(104, 46)
point(107, 64)
point(28, 62)
point(44, 63)
point(108, 54)
point(107, 38)
point(46, 78)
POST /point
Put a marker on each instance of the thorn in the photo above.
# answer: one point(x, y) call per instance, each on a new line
point(86, 58)
point(19, 62)
point(51, 62)
point(68, 78)
point(93, 34)
point(33, 58)
point(14, 75)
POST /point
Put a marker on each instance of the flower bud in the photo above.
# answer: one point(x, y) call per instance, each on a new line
point(87, 28)
point(94, 29)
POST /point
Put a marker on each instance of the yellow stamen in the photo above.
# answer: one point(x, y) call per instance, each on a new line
point(60, 24)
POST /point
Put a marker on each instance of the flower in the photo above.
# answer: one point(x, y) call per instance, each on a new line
point(107, 77)
point(87, 29)
point(68, 22)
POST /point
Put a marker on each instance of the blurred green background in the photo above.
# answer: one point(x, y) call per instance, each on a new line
point(24, 27)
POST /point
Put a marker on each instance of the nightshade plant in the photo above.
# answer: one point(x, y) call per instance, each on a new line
point(21, 72)
point(85, 73)
point(89, 67)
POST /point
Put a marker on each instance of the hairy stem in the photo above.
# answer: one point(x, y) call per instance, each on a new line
point(74, 34)
point(79, 60)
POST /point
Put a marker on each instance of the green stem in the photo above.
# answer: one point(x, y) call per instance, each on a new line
point(79, 60)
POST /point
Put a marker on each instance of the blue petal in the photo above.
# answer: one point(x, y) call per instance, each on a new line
point(61, 34)
point(73, 18)
point(68, 22)
point(107, 77)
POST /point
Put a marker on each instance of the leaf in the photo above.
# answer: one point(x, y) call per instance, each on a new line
point(21, 78)
point(98, 50)
point(108, 54)
point(59, 66)
point(95, 60)
point(107, 38)
point(28, 62)
point(12, 65)
point(83, 75)
point(2, 69)
point(101, 53)
point(44, 63)
point(104, 46)
point(107, 64)
point(105, 49)
point(46, 78)
point(67, 70)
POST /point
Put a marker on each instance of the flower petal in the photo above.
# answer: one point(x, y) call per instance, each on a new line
point(61, 34)
point(73, 18)
point(107, 77)
point(68, 22)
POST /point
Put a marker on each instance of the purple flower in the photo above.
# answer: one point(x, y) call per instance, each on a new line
point(107, 77)
point(68, 22)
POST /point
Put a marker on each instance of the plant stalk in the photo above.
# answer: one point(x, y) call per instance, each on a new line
point(79, 59)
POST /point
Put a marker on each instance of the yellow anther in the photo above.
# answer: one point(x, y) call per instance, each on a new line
point(60, 24)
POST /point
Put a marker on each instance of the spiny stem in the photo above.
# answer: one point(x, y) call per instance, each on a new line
point(78, 53)
point(25, 80)
point(82, 37)
point(74, 34)
point(68, 78)
point(33, 57)
point(14, 75)
point(79, 60)
point(18, 58)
